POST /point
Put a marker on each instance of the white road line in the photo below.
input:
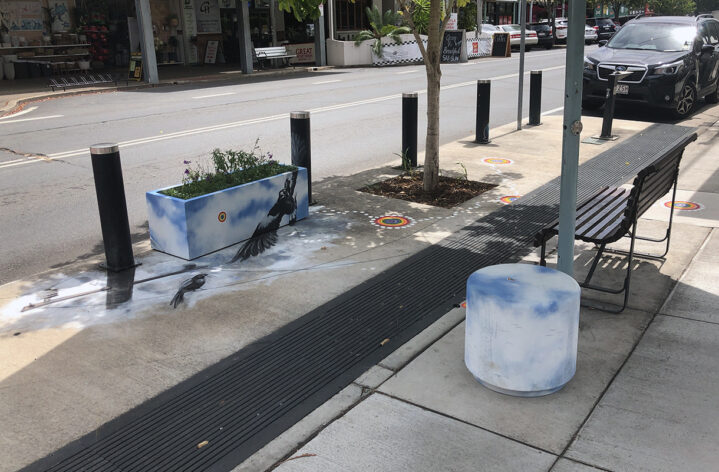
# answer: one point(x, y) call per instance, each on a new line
point(214, 95)
point(326, 82)
point(489, 61)
point(30, 119)
point(235, 124)
point(10, 162)
point(19, 113)
point(498, 77)
point(553, 110)
point(407, 72)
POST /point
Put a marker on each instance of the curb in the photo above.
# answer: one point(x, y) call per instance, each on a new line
point(16, 105)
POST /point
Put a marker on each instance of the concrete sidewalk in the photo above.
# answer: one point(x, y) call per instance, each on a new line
point(17, 93)
point(643, 397)
point(76, 364)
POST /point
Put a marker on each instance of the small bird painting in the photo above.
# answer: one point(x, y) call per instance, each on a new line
point(265, 235)
point(188, 285)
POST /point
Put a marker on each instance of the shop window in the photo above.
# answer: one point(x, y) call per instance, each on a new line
point(351, 15)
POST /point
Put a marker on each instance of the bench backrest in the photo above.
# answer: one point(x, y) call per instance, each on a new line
point(271, 51)
point(650, 184)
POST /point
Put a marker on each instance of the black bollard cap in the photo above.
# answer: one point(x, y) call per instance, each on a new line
point(104, 148)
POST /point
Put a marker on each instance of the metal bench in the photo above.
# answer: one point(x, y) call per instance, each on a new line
point(612, 214)
point(83, 80)
point(277, 52)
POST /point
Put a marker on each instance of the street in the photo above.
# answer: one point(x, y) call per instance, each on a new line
point(49, 215)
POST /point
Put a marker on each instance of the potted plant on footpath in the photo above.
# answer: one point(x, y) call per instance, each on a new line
point(243, 195)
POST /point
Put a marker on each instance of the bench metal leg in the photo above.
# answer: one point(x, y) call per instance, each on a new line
point(667, 235)
point(543, 255)
point(627, 279)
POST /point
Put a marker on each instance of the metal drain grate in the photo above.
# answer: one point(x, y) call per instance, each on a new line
point(246, 400)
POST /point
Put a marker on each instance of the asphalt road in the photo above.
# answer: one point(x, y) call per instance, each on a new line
point(49, 212)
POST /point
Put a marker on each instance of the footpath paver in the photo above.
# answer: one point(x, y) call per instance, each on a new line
point(661, 412)
point(387, 434)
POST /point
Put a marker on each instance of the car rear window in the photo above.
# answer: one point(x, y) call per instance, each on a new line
point(540, 27)
point(605, 22)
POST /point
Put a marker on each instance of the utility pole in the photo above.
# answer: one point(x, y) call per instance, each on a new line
point(570, 140)
point(523, 26)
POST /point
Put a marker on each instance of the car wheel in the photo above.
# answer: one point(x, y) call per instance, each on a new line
point(527, 48)
point(714, 96)
point(548, 46)
point(687, 100)
point(591, 104)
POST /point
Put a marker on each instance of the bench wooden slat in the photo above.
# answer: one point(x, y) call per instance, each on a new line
point(612, 196)
point(603, 215)
point(655, 193)
point(587, 213)
point(612, 231)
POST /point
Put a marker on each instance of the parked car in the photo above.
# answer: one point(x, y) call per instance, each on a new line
point(590, 35)
point(673, 60)
point(515, 36)
point(605, 27)
point(489, 28)
point(560, 34)
point(544, 34)
point(561, 30)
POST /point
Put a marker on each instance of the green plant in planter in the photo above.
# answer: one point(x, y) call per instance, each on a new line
point(381, 26)
point(228, 169)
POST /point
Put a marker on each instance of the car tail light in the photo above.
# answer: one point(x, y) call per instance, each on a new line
point(515, 36)
point(561, 27)
point(596, 28)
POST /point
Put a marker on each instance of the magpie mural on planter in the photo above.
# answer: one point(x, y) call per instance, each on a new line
point(201, 225)
point(188, 285)
point(265, 235)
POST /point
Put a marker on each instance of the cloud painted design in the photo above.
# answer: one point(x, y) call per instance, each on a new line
point(194, 229)
point(522, 327)
point(277, 265)
point(168, 229)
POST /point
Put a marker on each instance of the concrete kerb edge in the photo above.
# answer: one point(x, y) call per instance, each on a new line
point(16, 105)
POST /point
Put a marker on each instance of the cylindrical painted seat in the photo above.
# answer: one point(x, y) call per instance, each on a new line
point(521, 329)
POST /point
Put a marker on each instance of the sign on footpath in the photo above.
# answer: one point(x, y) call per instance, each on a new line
point(453, 47)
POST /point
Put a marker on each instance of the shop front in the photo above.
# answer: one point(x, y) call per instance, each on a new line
point(50, 37)
point(502, 12)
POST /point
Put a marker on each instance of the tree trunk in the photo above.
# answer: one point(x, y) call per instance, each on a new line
point(480, 7)
point(431, 154)
point(434, 76)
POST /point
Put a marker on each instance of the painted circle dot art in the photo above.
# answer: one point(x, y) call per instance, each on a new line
point(683, 205)
point(392, 221)
point(222, 217)
point(498, 161)
point(509, 198)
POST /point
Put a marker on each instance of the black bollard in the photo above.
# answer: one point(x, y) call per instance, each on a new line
point(535, 97)
point(614, 79)
point(300, 146)
point(409, 128)
point(482, 125)
point(110, 191)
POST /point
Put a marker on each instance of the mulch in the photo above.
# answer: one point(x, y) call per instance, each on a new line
point(450, 192)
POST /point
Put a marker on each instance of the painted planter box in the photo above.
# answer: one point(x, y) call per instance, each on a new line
point(201, 225)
